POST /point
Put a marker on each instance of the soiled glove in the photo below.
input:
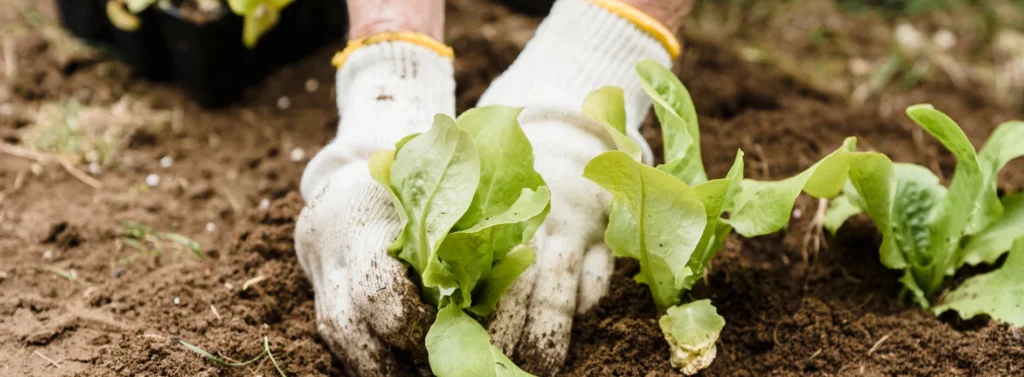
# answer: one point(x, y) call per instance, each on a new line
point(367, 309)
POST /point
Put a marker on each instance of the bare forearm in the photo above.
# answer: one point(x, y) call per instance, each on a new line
point(369, 17)
point(669, 13)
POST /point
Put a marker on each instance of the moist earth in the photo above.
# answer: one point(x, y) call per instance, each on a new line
point(792, 309)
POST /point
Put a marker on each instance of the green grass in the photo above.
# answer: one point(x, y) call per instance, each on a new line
point(219, 361)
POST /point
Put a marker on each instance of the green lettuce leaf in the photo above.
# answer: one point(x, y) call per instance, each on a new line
point(715, 194)
point(468, 255)
point(679, 127)
point(999, 293)
point(959, 203)
point(669, 219)
point(506, 161)
point(259, 17)
point(434, 176)
point(502, 275)
point(607, 107)
point(764, 207)
point(1004, 144)
point(990, 243)
point(137, 6)
point(840, 209)
point(458, 346)
point(691, 331)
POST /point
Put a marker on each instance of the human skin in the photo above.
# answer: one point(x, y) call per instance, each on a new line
point(669, 13)
point(369, 17)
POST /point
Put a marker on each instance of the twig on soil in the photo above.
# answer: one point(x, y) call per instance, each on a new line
point(41, 158)
point(215, 313)
point(54, 363)
point(765, 170)
point(866, 301)
point(10, 59)
point(154, 336)
point(878, 344)
point(236, 205)
point(78, 173)
point(813, 355)
point(253, 281)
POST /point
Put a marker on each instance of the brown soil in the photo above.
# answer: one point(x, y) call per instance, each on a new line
point(786, 315)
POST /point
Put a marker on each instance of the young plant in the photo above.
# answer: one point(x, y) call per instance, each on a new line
point(930, 231)
point(122, 13)
point(260, 16)
point(673, 219)
point(470, 200)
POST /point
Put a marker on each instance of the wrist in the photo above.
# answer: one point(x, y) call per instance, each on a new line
point(669, 13)
point(370, 17)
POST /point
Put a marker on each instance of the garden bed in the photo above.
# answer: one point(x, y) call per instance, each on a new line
point(790, 310)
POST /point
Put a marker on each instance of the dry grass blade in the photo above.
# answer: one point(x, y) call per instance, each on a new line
point(54, 363)
point(878, 344)
point(266, 349)
point(253, 281)
point(213, 358)
point(70, 276)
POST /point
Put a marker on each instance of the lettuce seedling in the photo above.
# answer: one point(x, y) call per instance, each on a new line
point(470, 201)
point(259, 17)
point(929, 231)
point(674, 220)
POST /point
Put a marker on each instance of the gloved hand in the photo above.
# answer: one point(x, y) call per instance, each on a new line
point(367, 309)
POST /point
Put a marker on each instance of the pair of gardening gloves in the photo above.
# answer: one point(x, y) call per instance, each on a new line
point(368, 309)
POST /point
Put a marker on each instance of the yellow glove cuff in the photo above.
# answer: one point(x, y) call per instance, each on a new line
point(398, 36)
point(643, 22)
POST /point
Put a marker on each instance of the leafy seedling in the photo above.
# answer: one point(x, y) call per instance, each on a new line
point(470, 199)
point(673, 219)
point(260, 16)
point(930, 231)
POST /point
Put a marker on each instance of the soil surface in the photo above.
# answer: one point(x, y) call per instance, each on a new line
point(791, 309)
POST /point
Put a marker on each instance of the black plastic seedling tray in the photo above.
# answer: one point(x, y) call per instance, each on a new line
point(208, 58)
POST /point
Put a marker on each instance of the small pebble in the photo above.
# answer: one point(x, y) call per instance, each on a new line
point(798, 213)
point(94, 168)
point(92, 156)
point(228, 285)
point(210, 227)
point(177, 301)
point(264, 204)
point(166, 161)
point(945, 39)
point(152, 180)
point(36, 168)
point(312, 85)
point(298, 154)
point(48, 255)
point(284, 103)
point(1016, 333)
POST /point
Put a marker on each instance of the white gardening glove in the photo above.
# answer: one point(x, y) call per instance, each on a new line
point(368, 311)
point(579, 48)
